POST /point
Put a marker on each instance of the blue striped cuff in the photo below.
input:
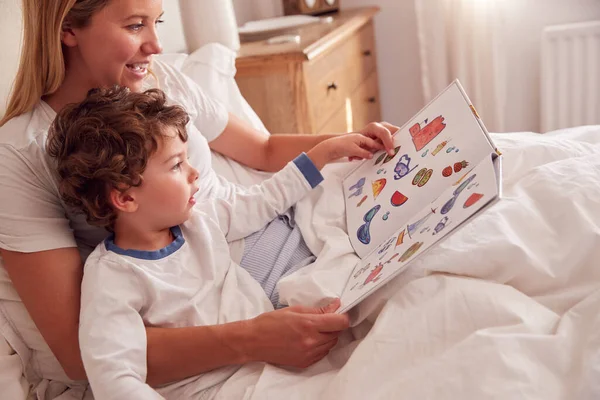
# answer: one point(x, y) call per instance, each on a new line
point(309, 170)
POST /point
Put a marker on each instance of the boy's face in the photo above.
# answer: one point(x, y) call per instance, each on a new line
point(165, 197)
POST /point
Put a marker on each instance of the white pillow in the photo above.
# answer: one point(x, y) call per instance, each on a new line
point(212, 67)
point(175, 60)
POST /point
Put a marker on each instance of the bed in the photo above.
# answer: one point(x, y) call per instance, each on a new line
point(505, 308)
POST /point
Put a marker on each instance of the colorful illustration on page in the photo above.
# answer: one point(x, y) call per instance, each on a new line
point(414, 227)
point(473, 198)
point(439, 147)
point(398, 199)
point(403, 167)
point(441, 225)
point(450, 203)
point(421, 136)
point(363, 234)
point(400, 239)
point(378, 186)
point(357, 187)
point(385, 157)
point(374, 275)
point(411, 251)
point(422, 177)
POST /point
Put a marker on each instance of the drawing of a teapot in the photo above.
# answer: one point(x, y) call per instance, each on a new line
point(403, 167)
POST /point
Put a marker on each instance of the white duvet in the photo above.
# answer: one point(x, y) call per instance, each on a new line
point(506, 308)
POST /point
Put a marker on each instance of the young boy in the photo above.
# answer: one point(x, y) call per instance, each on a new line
point(122, 160)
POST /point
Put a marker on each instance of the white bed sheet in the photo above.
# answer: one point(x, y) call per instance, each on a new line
point(505, 308)
point(508, 307)
point(13, 384)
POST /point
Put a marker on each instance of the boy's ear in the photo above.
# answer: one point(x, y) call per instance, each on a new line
point(67, 36)
point(123, 200)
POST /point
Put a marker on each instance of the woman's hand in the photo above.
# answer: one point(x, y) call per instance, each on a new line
point(295, 336)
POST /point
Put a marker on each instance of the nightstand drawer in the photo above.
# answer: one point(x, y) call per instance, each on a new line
point(365, 103)
point(333, 77)
point(358, 110)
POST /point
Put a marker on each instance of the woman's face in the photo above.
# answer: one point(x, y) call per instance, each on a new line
point(117, 45)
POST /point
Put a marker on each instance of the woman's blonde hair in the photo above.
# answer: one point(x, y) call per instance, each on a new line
point(42, 66)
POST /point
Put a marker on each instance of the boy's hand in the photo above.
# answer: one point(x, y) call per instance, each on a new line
point(351, 145)
point(382, 132)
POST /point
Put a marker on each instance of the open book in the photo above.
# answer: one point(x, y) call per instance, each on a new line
point(445, 171)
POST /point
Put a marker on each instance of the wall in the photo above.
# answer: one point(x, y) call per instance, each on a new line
point(250, 10)
point(174, 41)
point(397, 57)
point(525, 23)
point(10, 31)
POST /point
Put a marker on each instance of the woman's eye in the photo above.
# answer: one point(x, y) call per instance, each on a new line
point(159, 21)
point(135, 27)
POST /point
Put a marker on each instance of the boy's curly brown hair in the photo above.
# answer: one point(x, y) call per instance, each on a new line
point(104, 143)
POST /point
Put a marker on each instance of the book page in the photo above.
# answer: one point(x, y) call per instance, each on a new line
point(442, 142)
point(469, 193)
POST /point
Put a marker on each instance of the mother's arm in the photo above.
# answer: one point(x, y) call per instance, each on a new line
point(49, 284)
point(250, 147)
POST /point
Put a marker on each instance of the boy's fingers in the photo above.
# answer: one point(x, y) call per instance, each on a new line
point(367, 142)
point(392, 128)
point(363, 153)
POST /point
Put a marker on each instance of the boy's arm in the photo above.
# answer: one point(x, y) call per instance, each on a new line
point(112, 335)
point(245, 212)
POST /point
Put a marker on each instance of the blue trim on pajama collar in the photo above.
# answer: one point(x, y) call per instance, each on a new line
point(309, 170)
point(148, 255)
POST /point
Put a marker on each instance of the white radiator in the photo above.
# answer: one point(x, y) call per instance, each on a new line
point(570, 86)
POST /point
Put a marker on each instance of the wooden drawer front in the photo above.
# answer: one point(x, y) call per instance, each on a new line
point(365, 103)
point(276, 97)
point(338, 123)
point(333, 77)
point(358, 110)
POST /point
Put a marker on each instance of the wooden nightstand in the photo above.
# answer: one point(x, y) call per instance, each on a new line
point(327, 83)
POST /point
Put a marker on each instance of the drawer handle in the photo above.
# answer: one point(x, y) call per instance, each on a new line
point(332, 86)
point(367, 53)
point(372, 100)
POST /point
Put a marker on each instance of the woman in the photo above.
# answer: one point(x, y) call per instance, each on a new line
point(71, 46)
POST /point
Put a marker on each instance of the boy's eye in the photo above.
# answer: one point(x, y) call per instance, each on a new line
point(177, 166)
